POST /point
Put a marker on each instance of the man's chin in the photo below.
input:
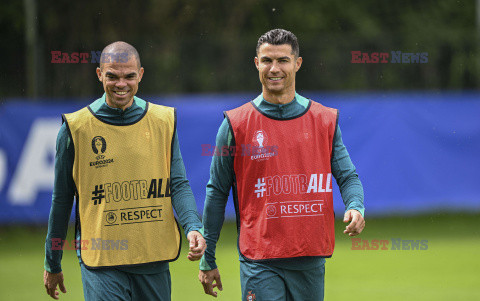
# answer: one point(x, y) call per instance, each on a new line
point(276, 89)
point(121, 102)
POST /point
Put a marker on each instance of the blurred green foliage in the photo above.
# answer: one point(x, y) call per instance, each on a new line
point(200, 46)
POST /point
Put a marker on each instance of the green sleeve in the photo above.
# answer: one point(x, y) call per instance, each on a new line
point(62, 200)
point(182, 197)
point(346, 176)
point(218, 189)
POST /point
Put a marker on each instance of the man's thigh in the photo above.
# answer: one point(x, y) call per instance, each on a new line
point(105, 284)
point(151, 286)
point(262, 282)
point(266, 282)
point(112, 284)
point(305, 285)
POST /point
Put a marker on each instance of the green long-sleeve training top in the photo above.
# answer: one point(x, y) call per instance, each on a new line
point(64, 187)
point(221, 179)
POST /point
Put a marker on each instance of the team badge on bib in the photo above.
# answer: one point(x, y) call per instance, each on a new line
point(259, 150)
point(251, 297)
point(99, 146)
point(260, 139)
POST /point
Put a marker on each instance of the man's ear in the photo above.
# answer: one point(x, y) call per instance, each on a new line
point(99, 73)
point(140, 74)
point(298, 63)
point(256, 62)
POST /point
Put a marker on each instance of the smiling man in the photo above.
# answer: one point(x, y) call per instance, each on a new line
point(120, 158)
point(120, 72)
point(283, 200)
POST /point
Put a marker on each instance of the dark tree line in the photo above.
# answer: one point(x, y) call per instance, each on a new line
point(208, 46)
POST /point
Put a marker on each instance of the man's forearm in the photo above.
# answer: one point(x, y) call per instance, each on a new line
point(346, 176)
point(218, 189)
point(352, 195)
point(184, 204)
point(62, 201)
point(183, 200)
point(213, 218)
point(57, 232)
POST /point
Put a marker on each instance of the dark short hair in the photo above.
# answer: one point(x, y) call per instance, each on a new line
point(121, 52)
point(279, 37)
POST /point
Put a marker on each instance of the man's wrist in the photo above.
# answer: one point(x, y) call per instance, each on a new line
point(54, 269)
point(361, 210)
point(196, 229)
point(205, 266)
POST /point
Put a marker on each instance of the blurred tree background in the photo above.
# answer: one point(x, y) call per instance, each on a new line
point(200, 46)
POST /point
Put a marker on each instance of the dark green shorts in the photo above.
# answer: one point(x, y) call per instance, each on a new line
point(265, 282)
point(112, 284)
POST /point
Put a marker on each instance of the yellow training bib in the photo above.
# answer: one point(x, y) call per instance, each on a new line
point(122, 176)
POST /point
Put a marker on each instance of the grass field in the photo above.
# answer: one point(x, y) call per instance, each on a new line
point(448, 270)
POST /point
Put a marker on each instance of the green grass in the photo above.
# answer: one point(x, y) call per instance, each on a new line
point(447, 270)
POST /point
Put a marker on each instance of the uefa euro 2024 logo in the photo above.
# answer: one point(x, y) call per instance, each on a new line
point(260, 138)
point(99, 145)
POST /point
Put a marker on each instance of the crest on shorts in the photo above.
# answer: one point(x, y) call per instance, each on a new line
point(250, 296)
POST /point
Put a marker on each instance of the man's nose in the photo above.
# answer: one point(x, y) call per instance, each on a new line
point(121, 83)
point(274, 67)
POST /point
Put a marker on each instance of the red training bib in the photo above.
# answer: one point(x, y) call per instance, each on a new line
point(283, 182)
